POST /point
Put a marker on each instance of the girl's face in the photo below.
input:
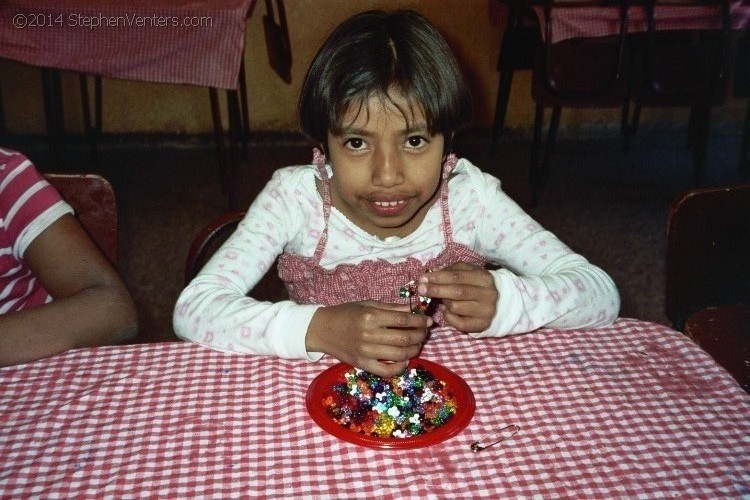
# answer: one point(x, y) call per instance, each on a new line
point(386, 171)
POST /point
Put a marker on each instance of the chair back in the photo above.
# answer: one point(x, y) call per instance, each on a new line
point(684, 67)
point(207, 242)
point(707, 250)
point(93, 199)
point(582, 72)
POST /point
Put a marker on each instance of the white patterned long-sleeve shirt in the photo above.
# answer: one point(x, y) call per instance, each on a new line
point(541, 282)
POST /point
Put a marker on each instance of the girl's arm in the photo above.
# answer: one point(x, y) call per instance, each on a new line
point(91, 305)
point(542, 282)
point(214, 309)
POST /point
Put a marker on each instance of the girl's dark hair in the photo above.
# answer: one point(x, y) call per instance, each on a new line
point(375, 52)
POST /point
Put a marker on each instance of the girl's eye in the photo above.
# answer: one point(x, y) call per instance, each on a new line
point(416, 142)
point(355, 143)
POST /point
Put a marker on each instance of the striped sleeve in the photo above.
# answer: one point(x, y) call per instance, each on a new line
point(28, 203)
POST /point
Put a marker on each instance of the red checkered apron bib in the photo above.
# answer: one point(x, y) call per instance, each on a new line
point(309, 283)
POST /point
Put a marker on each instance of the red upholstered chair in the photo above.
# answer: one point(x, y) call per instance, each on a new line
point(210, 238)
point(93, 199)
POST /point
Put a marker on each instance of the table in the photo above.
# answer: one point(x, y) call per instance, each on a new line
point(632, 410)
point(574, 20)
point(200, 42)
point(168, 41)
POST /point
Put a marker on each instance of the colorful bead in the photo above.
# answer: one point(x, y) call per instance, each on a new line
point(408, 405)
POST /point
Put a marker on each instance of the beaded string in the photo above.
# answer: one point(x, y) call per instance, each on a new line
point(417, 303)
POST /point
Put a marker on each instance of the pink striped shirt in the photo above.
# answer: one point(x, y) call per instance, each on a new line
point(28, 205)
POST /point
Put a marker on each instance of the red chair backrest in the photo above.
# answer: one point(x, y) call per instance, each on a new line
point(93, 199)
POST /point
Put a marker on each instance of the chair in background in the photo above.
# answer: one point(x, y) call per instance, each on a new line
point(707, 251)
point(576, 73)
point(93, 200)
point(520, 41)
point(210, 238)
point(708, 273)
point(684, 68)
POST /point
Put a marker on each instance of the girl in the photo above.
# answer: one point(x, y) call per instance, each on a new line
point(386, 204)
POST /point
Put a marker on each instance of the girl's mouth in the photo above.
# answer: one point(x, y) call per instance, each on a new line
point(388, 208)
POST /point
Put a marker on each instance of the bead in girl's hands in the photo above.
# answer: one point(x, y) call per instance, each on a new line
point(467, 292)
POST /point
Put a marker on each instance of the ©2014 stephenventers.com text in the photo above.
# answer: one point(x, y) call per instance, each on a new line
point(47, 20)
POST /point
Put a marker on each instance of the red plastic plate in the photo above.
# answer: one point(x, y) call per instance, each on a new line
point(323, 384)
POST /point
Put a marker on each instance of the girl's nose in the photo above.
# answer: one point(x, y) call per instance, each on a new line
point(387, 169)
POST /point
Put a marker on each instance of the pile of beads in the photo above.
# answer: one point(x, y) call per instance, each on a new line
point(410, 404)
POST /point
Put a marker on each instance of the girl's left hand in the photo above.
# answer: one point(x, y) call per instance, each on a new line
point(468, 293)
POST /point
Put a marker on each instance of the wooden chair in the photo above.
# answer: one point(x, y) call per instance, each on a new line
point(210, 238)
point(575, 73)
point(707, 251)
point(93, 199)
point(684, 68)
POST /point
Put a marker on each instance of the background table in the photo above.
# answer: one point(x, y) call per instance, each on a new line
point(573, 21)
point(200, 42)
point(166, 41)
point(635, 409)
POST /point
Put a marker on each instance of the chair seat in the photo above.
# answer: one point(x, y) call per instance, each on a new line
point(724, 332)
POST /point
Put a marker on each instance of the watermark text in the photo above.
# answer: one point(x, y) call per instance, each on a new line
point(47, 20)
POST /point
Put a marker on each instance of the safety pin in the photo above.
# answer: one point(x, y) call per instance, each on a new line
point(509, 430)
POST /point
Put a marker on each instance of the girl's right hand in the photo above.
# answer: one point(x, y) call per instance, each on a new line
point(373, 336)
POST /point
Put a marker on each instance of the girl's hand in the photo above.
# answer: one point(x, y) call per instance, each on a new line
point(468, 294)
point(376, 337)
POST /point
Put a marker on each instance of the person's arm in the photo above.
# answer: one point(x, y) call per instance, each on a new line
point(214, 309)
point(90, 304)
point(542, 282)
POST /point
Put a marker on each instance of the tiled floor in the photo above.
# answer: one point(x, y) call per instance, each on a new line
point(608, 205)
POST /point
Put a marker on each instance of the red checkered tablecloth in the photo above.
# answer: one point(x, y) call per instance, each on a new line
point(633, 410)
point(575, 21)
point(169, 41)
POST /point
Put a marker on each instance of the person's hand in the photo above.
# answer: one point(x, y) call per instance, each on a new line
point(376, 337)
point(468, 294)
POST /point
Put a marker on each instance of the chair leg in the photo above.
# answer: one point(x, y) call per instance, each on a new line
point(225, 176)
point(536, 145)
point(744, 161)
point(549, 146)
point(701, 127)
point(245, 137)
point(635, 121)
point(93, 131)
point(501, 108)
point(53, 111)
point(624, 124)
point(235, 134)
